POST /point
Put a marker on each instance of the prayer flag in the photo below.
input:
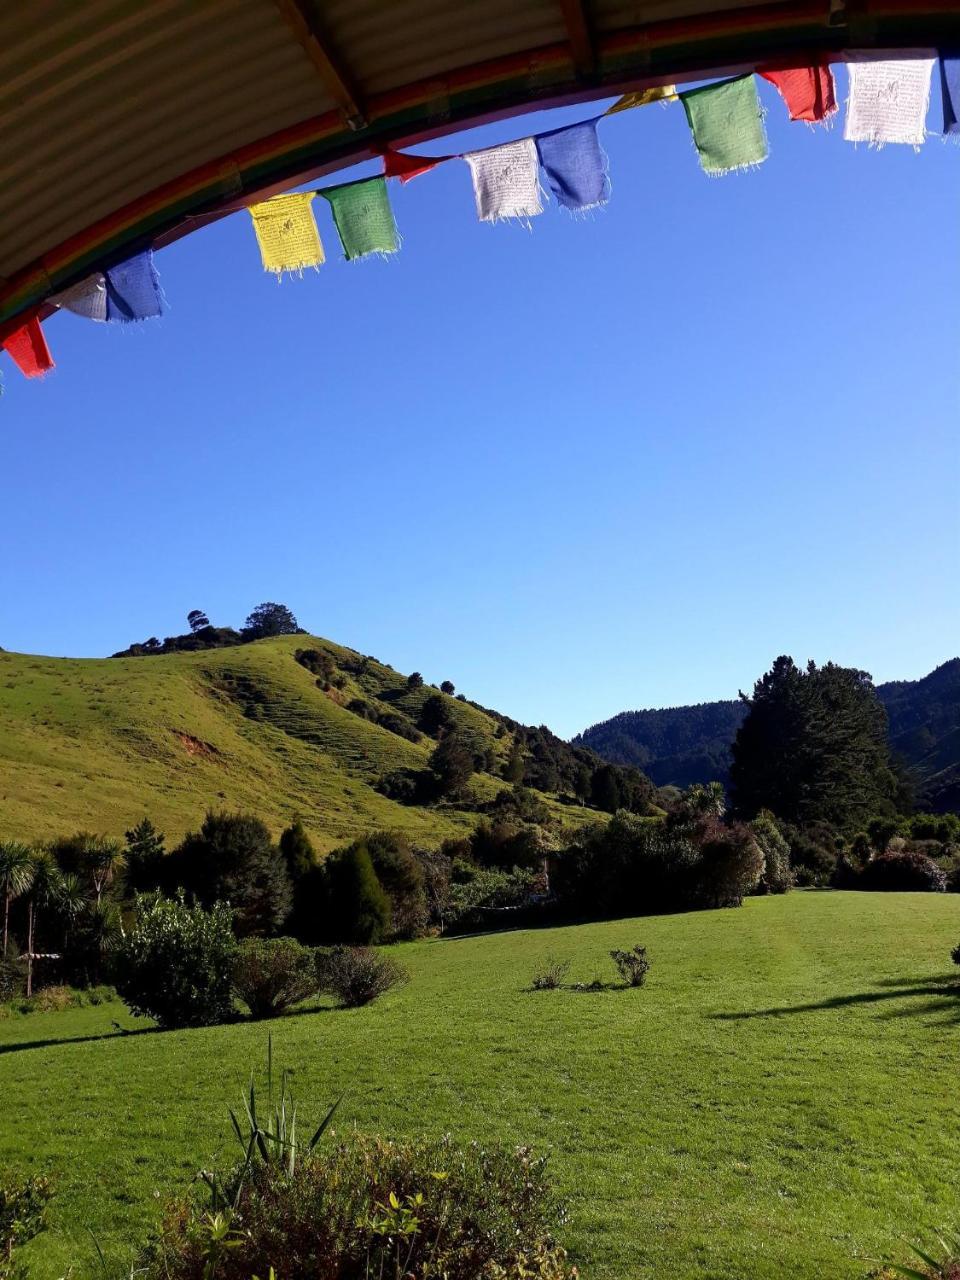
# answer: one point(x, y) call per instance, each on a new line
point(950, 86)
point(88, 298)
point(364, 219)
point(506, 181)
point(28, 349)
point(809, 92)
point(726, 124)
point(888, 101)
point(287, 233)
point(133, 289)
point(574, 165)
point(402, 165)
point(643, 97)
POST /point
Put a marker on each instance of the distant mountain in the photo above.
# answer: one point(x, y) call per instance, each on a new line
point(683, 745)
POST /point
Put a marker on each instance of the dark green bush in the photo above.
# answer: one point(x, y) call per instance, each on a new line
point(731, 863)
point(175, 965)
point(273, 974)
point(357, 975)
point(373, 1208)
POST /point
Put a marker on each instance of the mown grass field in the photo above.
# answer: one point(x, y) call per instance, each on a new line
point(780, 1100)
point(96, 743)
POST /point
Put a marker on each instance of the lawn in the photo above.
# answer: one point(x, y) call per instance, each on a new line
point(780, 1100)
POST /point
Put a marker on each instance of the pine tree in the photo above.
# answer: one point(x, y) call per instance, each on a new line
point(297, 849)
point(813, 748)
point(360, 908)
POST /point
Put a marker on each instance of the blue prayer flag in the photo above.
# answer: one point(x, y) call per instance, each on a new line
point(133, 289)
point(950, 84)
point(574, 165)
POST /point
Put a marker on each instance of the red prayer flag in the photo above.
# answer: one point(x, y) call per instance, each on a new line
point(28, 349)
point(808, 91)
point(399, 164)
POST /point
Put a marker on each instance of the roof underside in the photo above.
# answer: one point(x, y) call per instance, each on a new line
point(125, 123)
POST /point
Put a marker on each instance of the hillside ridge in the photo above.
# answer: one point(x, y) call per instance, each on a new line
point(294, 725)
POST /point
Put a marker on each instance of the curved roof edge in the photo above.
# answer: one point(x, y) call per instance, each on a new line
point(659, 53)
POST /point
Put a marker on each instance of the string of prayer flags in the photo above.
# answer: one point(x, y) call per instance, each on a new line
point(809, 92)
point(287, 233)
point(643, 98)
point(87, 299)
point(133, 289)
point(950, 92)
point(506, 181)
point(364, 219)
point(727, 125)
point(28, 349)
point(402, 165)
point(574, 165)
point(888, 101)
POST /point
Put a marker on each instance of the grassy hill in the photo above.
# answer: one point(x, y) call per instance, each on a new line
point(96, 743)
point(779, 1100)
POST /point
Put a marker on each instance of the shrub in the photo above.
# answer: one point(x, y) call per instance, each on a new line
point(731, 863)
point(632, 965)
point(232, 859)
point(550, 976)
point(955, 954)
point(368, 1207)
point(903, 872)
point(777, 876)
point(53, 1000)
point(22, 1216)
point(357, 975)
point(13, 978)
point(175, 965)
point(273, 974)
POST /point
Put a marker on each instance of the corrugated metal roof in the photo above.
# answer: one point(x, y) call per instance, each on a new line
point(122, 120)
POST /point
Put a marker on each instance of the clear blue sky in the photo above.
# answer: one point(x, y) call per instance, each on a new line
point(600, 464)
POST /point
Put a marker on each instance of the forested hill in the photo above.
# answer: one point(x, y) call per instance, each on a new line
point(681, 745)
point(287, 726)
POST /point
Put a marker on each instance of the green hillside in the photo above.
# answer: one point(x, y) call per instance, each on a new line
point(96, 743)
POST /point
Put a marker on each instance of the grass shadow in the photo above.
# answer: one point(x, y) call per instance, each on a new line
point(118, 1034)
point(944, 993)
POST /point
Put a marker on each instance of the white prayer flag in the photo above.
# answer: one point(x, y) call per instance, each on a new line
point(506, 181)
point(888, 101)
point(88, 298)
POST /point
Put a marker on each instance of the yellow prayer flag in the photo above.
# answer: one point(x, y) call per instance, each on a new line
point(287, 233)
point(659, 93)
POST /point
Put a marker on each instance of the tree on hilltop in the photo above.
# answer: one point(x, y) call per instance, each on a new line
point(269, 619)
point(197, 620)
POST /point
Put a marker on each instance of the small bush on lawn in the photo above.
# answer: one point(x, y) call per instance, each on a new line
point(550, 975)
point(369, 1208)
point(903, 873)
point(273, 974)
point(357, 975)
point(633, 965)
point(23, 1205)
point(175, 965)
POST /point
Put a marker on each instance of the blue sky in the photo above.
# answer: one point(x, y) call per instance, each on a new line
point(605, 463)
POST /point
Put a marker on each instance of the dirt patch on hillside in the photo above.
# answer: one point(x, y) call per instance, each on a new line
point(195, 746)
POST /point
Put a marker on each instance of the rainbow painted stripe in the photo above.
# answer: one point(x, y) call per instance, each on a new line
point(664, 52)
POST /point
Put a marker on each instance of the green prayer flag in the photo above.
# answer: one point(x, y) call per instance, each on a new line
point(364, 218)
point(727, 124)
